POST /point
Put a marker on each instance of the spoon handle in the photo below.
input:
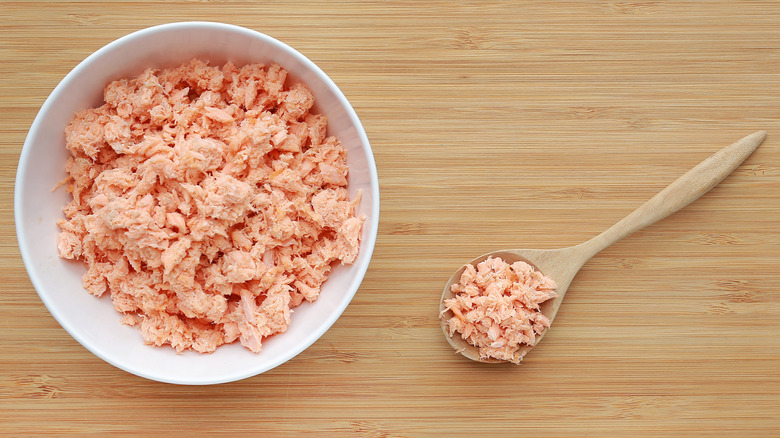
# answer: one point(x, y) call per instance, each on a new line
point(686, 189)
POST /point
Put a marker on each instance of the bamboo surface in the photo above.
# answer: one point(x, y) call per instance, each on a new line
point(494, 125)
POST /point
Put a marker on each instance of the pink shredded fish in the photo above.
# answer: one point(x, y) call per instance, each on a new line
point(496, 307)
point(208, 202)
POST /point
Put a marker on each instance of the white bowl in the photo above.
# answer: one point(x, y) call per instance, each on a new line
point(93, 322)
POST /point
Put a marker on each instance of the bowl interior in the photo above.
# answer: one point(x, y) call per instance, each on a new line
point(92, 321)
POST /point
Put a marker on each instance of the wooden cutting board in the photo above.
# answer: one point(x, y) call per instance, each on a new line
point(494, 125)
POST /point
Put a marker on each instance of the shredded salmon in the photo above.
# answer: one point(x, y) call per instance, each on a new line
point(208, 202)
point(495, 307)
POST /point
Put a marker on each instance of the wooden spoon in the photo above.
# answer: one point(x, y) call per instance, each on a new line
point(563, 264)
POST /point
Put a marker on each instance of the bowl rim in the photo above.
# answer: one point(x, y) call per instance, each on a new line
point(368, 241)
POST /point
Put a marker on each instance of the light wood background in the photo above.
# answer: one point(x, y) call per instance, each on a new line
point(494, 125)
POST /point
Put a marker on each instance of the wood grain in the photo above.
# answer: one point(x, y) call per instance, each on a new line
point(495, 124)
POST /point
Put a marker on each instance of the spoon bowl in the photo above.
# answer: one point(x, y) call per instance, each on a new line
point(562, 264)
